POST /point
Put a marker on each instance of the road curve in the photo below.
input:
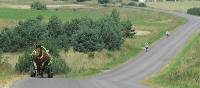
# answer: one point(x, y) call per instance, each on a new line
point(128, 75)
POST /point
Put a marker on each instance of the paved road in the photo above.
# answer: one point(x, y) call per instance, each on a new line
point(128, 75)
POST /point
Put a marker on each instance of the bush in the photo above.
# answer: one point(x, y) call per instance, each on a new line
point(87, 40)
point(38, 6)
point(142, 5)
point(24, 35)
point(70, 27)
point(127, 29)
point(132, 4)
point(81, 0)
point(55, 35)
point(59, 66)
point(194, 11)
point(54, 27)
point(103, 1)
point(24, 62)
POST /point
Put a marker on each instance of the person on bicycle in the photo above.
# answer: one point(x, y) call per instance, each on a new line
point(167, 33)
point(146, 46)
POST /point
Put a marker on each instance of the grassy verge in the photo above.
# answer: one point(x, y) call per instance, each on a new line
point(177, 6)
point(183, 71)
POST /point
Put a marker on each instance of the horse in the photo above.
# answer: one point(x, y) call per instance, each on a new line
point(41, 59)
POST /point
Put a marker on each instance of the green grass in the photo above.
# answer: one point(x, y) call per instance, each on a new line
point(183, 71)
point(18, 14)
point(181, 6)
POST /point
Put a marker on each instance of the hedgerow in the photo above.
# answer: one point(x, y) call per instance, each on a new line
point(82, 34)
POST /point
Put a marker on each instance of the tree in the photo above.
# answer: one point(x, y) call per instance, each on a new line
point(81, 0)
point(70, 27)
point(111, 33)
point(54, 27)
point(87, 40)
point(103, 1)
point(38, 6)
point(127, 29)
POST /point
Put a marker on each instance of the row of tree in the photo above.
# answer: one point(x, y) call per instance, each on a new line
point(82, 34)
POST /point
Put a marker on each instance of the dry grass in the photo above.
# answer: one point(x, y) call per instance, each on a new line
point(8, 81)
point(177, 6)
point(12, 58)
point(7, 23)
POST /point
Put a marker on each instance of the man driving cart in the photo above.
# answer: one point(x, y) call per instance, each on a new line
point(41, 62)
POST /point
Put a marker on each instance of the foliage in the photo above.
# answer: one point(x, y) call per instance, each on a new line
point(24, 62)
point(142, 5)
point(59, 66)
point(83, 34)
point(54, 27)
point(24, 35)
point(194, 11)
point(132, 4)
point(87, 40)
point(81, 0)
point(127, 29)
point(38, 6)
point(103, 1)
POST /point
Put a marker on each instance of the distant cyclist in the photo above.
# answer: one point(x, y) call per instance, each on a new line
point(146, 47)
point(167, 33)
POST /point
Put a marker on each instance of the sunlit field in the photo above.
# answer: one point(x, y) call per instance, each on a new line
point(181, 6)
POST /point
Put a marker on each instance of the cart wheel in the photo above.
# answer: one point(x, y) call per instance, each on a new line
point(32, 71)
point(50, 72)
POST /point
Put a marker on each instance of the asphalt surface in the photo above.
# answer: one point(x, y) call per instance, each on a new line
point(128, 75)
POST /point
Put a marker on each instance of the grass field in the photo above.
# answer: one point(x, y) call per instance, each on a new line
point(176, 6)
point(81, 65)
point(183, 71)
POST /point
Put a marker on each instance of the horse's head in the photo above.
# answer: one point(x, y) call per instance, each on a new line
point(37, 53)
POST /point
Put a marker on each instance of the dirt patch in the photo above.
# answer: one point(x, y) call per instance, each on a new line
point(3, 5)
point(140, 32)
point(166, 21)
point(15, 6)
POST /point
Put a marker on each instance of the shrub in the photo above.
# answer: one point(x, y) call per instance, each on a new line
point(127, 29)
point(70, 27)
point(38, 6)
point(132, 4)
point(54, 27)
point(59, 66)
point(111, 33)
point(87, 40)
point(24, 62)
point(24, 35)
point(103, 1)
point(142, 5)
point(194, 11)
point(81, 0)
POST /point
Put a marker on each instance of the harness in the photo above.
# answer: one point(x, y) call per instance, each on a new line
point(42, 55)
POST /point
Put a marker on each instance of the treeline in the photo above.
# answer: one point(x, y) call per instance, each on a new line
point(194, 11)
point(81, 34)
